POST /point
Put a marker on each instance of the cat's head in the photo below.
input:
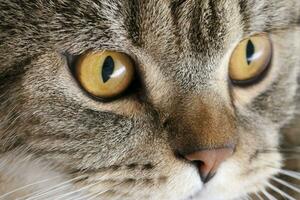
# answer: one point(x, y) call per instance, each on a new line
point(187, 104)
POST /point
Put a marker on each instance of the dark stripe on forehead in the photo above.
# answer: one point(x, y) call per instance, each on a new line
point(176, 8)
point(244, 11)
point(133, 21)
point(207, 27)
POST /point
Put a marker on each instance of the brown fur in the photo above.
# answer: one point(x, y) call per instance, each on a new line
point(184, 99)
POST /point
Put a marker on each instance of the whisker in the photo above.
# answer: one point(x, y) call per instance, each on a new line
point(12, 122)
point(84, 197)
point(248, 198)
point(292, 174)
point(88, 195)
point(293, 149)
point(258, 196)
point(280, 192)
point(291, 157)
point(284, 152)
point(27, 186)
point(95, 196)
point(76, 191)
point(282, 182)
point(286, 172)
point(268, 195)
point(57, 187)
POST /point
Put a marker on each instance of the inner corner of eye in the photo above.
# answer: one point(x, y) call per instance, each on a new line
point(108, 68)
point(71, 59)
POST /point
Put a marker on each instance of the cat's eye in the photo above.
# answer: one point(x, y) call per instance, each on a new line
point(104, 74)
point(250, 59)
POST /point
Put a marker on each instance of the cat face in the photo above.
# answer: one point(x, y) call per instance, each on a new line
point(181, 101)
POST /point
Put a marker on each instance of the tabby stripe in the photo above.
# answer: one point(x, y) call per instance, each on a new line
point(133, 21)
point(175, 13)
point(206, 24)
point(243, 4)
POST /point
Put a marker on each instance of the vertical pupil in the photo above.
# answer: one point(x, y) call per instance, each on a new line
point(107, 68)
point(250, 51)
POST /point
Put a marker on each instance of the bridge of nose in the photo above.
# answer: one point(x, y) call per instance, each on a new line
point(202, 124)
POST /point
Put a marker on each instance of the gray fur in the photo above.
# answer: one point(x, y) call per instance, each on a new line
point(180, 48)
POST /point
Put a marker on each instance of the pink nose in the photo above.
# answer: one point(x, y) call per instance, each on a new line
point(208, 161)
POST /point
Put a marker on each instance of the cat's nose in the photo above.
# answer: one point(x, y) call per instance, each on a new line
point(208, 161)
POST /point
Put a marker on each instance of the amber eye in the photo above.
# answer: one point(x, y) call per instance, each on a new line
point(104, 74)
point(250, 59)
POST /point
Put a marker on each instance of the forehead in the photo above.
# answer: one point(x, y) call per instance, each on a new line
point(184, 39)
point(200, 23)
point(188, 26)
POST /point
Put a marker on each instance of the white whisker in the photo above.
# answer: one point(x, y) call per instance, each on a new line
point(282, 182)
point(280, 192)
point(292, 174)
point(259, 196)
point(84, 197)
point(57, 187)
point(268, 195)
point(291, 157)
point(93, 195)
point(248, 198)
point(27, 186)
point(76, 191)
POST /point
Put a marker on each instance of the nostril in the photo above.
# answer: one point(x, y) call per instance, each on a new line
point(205, 175)
point(208, 161)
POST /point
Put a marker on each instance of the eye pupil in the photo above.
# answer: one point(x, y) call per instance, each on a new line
point(107, 68)
point(250, 51)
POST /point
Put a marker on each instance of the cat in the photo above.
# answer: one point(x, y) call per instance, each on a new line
point(146, 99)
